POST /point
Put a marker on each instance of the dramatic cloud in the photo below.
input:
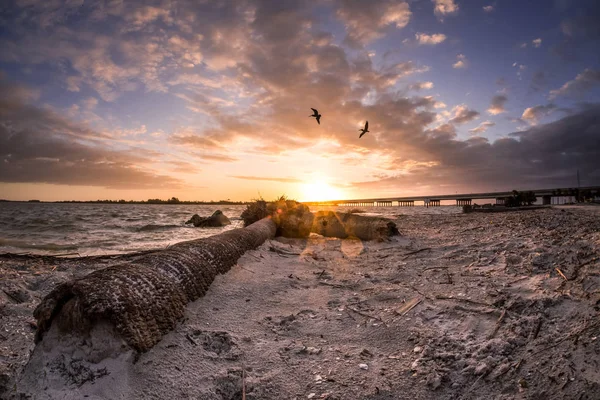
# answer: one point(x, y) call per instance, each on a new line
point(443, 8)
point(262, 178)
point(484, 126)
point(542, 156)
point(582, 83)
point(421, 85)
point(462, 114)
point(436, 38)
point(533, 114)
point(497, 104)
point(461, 61)
point(39, 146)
point(365, 24)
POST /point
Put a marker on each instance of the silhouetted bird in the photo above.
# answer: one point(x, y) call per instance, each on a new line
point(316, 115)
point(364, 130)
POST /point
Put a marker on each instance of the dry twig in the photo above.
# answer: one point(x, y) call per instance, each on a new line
point(561, 274)
point(416, 251)
point(497, 325)
point(367, 315)
point(409, 306)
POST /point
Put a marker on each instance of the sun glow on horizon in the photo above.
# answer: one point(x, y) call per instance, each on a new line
point(319, 191)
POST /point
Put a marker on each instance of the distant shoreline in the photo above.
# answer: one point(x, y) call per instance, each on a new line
point(207, 203)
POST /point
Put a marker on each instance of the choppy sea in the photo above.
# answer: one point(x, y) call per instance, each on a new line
point(101, 229)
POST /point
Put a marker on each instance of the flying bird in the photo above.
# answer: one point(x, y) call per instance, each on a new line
point(316, 115)
point(364, 130)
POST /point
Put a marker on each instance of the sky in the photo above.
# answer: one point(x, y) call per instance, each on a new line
point(210, 100)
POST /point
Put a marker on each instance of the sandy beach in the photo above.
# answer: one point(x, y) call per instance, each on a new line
point(463, 306)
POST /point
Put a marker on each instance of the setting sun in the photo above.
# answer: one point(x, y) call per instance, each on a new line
point(319, 191)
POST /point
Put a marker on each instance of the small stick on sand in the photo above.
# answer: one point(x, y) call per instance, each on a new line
point(561, 274)
point(282, 252)
point(66, 254)
point(409, 306)
point(368, 315)
point(431, 268)
point(13, 298)
point(191, 339)
point(335, 285)
point(243, 382)
point(417, 251)
point(497, 325)
point(249, 270)
point(471, 229)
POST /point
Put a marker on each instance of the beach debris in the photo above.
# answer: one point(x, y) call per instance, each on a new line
point(344, 225)
point(561, 273)
point(367, 315)
point(295, 220)
point(364, 130)
point(217, 219)
point(497, 326)
point(409, 305)
point(131, 306)
point(363, 366)
point(282, 252)
point(311, 395)
point(316, 115)
point(410, 253)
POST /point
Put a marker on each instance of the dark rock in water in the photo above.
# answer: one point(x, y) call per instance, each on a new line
point(216, 220)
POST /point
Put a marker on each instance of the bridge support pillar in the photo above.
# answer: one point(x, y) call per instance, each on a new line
point(500, 201)
point(546, 200)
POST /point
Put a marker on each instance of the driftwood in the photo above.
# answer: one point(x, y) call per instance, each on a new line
point(295, 220)
point(144, 299)
point(344, 225)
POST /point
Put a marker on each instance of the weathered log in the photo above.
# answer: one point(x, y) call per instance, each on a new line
point(344, 225)
point(295, 220)
point(144, 299)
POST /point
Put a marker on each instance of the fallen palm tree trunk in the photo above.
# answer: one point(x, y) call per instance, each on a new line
point(96, 326)
point(145, 298)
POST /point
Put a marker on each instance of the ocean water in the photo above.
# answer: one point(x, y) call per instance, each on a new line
point(101, 229)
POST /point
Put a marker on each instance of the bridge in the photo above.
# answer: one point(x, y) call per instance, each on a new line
point(548, 196)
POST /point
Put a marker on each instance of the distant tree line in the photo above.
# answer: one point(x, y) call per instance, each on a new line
point(172, 200)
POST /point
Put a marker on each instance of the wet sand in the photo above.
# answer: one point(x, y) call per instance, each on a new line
point(466, 306)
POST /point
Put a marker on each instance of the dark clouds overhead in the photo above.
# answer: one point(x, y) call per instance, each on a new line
point(39, 146)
